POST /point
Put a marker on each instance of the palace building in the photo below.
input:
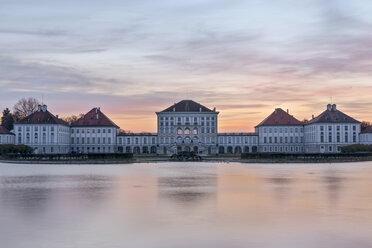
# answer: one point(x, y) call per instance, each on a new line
point(44, 132)
point(6, 137)
point(188, 126)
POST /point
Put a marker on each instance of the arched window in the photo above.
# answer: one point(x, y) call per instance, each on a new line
point(187, 131)
point(195, 131)
point(179, 131)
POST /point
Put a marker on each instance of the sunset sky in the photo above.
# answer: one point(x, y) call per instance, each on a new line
point(135, 57)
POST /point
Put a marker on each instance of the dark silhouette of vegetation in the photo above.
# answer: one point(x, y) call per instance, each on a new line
point(15, 149)
point(7, 120)
point(71, 156)
point(364, 125)
point(305, 121)
point(356, 148)
point(72, 118)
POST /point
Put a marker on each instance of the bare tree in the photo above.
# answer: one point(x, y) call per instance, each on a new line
point(72, 118)
point(364, 125)
point(24, 105)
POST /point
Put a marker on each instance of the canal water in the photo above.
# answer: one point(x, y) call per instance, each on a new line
point(171, 205)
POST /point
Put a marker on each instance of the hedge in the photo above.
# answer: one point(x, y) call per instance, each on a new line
point(356, 148)
point(71, 156)
point(15, 149)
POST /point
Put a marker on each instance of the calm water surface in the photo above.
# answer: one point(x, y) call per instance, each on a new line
point(186, 205)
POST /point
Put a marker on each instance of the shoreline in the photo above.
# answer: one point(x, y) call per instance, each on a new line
point(210, 159)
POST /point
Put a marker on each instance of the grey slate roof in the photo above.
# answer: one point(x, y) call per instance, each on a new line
point(187, 106)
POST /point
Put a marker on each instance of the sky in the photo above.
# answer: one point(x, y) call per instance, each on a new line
point(133, 58)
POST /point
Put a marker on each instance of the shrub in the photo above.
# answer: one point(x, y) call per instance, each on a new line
point(15, 149)
point(356, 148)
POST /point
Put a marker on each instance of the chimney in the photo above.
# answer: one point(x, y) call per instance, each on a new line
point(38, 108)
point(96, 111)
point(312, 116)
point(287, 111)
point(44, 108)
point(329, 107)
point(214, 109)
point(57, 116)
point(334, 107)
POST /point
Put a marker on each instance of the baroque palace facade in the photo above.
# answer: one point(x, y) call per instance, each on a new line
point(188, 126)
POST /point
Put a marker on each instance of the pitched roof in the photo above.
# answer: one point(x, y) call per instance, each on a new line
point(332, 115)
point(94, 118)
point(187, 106)
point(3, 130)
point(42, 116)
point(367, 130)
point(280, 117)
